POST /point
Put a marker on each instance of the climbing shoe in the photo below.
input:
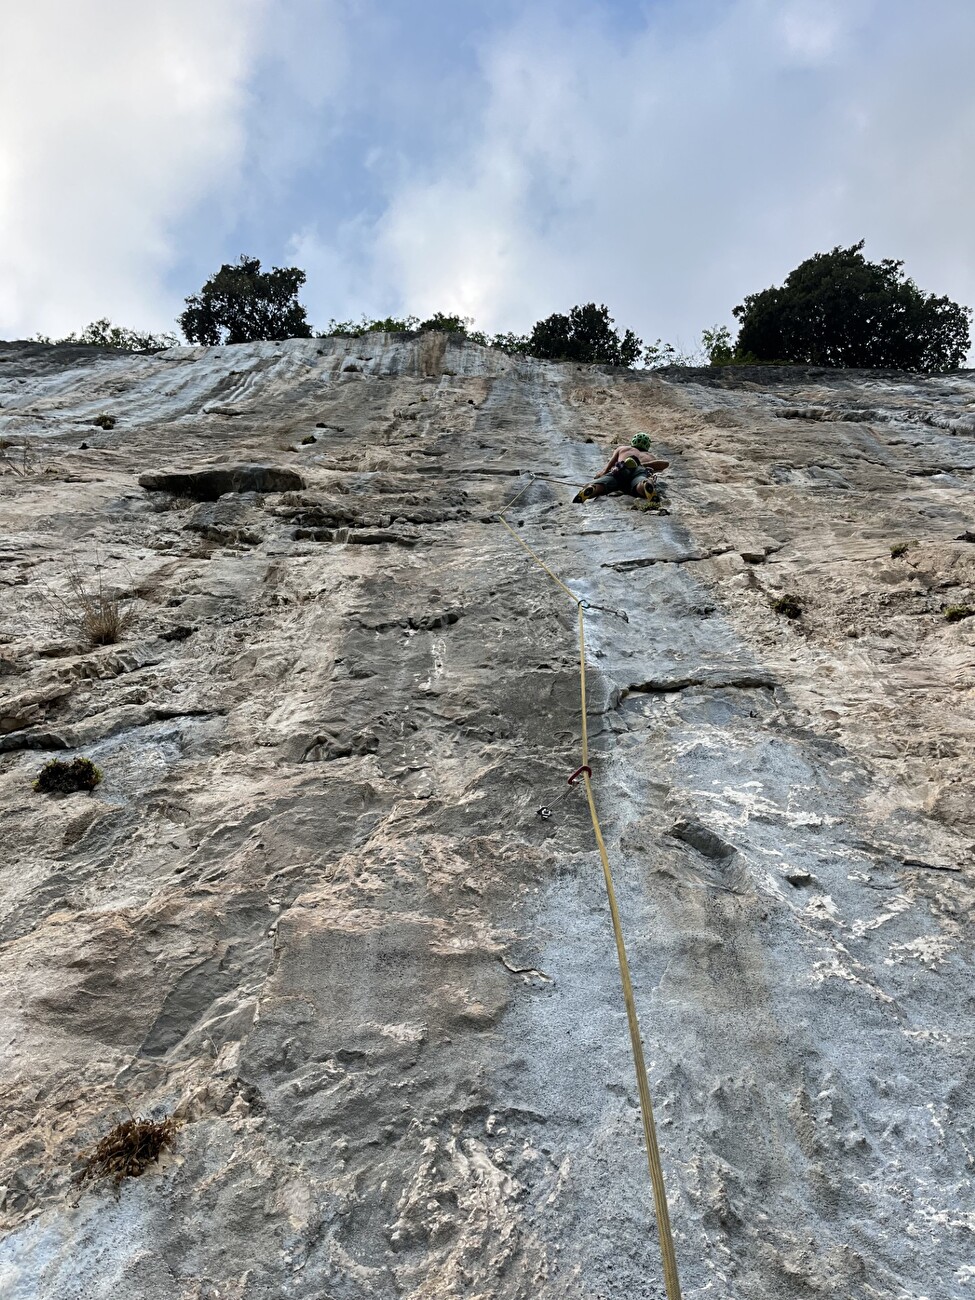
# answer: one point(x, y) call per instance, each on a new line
point(587, 493)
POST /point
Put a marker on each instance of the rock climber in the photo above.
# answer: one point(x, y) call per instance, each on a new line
point(631, 469)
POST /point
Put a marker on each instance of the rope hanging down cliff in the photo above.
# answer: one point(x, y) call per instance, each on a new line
point(671, 1280)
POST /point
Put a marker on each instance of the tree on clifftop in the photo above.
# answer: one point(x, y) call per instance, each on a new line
point(242, 304)
point(586, 334)
point(838, 309)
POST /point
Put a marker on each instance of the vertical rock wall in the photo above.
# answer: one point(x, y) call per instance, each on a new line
point(312, 909)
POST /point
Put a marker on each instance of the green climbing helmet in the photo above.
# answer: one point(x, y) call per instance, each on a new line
point(641, 441)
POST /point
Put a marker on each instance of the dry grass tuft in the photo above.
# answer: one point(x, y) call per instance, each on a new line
point(90, 609)
point(128, 1150)
point(17, 457)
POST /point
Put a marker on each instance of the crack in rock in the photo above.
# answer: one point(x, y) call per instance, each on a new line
point(714, 682)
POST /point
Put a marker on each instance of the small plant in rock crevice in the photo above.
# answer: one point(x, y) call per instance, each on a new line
point(899, 549)
point(60, 777)
point(166, 501)
point(104, 421)
point(955, 613)
point(788, 606)
point(128, 1150)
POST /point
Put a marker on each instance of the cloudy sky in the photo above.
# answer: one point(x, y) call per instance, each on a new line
point(500, 158)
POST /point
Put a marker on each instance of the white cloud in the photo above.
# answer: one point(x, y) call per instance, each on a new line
point(699, 160)
point(118, 118)
point(666, 163)
point(810, 29)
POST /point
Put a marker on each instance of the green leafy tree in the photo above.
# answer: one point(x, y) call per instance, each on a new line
point(103, 334)
point(242, 304)
point(585, 334)
point(838, 309)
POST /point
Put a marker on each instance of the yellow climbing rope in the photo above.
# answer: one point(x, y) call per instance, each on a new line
point(671, 1279)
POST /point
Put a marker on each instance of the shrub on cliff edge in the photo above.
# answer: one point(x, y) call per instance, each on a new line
point(838, 309)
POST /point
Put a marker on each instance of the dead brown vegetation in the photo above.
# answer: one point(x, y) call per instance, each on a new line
point(128, 1150)
point(17, 457)
point(90, 609)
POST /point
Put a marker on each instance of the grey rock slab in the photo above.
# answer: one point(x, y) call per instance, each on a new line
point(313, 911)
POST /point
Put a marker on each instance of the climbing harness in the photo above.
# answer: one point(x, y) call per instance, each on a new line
point(668, 1255)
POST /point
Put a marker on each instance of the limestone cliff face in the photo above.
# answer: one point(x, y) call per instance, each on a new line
point(312, 910)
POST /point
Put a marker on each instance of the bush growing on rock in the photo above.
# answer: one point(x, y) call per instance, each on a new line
point(838, 309)
point(103, 334)
point(955, 613)
point(59, 777)
point(448, 324)
point(788, 606)
point(586, 334)
point(243, 304)
point(350, 329)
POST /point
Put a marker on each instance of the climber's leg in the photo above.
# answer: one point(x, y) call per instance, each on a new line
point(599, 487)
point(643, 485)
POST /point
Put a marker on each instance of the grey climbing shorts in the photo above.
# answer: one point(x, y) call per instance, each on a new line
point(622, 479)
